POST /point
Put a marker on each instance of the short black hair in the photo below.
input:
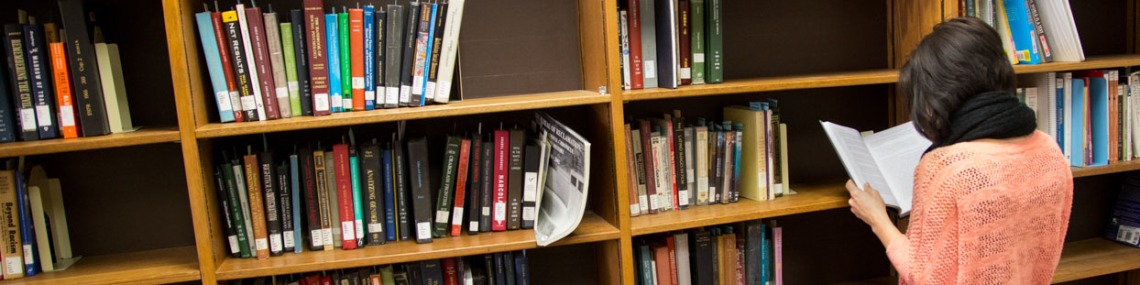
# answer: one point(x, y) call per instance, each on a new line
point(961, 58)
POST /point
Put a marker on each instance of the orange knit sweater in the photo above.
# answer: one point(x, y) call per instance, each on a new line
point(987, 212)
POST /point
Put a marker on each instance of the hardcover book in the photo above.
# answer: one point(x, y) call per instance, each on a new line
point(418, 171)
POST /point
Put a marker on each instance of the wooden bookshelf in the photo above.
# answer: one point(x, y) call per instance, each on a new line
point(139, 137)
point(767, 84)
point(592, 229)
point(464, 107)
point(170, 265)
point(808, 199)
point(1117, 167)
point(1092, 62)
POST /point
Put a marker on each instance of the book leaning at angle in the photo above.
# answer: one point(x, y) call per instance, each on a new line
point(563, 199)
point(886, 159)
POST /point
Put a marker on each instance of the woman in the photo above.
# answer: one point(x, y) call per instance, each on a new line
point(992, 195)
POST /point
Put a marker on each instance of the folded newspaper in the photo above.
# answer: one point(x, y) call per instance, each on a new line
point(562, 201)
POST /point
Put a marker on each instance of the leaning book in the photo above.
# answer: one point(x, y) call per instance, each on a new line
point(886, 159)
point(563, 199)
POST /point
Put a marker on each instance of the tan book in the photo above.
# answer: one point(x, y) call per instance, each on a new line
point(13, 252)
point(256, 206)
point(754, 160)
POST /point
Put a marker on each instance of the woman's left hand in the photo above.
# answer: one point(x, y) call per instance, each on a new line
point(868, 206)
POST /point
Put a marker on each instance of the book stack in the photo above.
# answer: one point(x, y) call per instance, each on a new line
point(510, 268)
point(664, 43)
point(355, 195)
point(1032, 31)
point(329, 61)
point(673, 165)
point(748, 253)
point(1091, 114)
point(34, 223)
point(61, 81)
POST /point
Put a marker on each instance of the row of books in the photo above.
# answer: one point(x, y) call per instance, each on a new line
point(1090, 113)
point(1032, 31)
point(47, 66)
point(673, 165)
point(748, 253)
point(506, 268)
point(363, 195)
point(664, 42)
point(356, 59)
point(34, 224)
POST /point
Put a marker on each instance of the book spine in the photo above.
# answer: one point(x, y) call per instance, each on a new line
point(242, 74)
point(21, 86)
point(449, 51)
point(407, 72)
point(403, 198)
point(246, 211)
point(530, 186)
point(285, 206)
point(277, 63)
point(336, 97)
point(697, 39)
point(368, 35)
point(423, 52)
point(435, 45)
point(346, 58)
point(649, 160)
point(345, 196)
point(228, 219)
point(334, 199)
point(13, 250)
point(736, 154)
point(690, 134)
point(778, 255)
point(64, 98)
point(680, 176)
point(639, 162)
point(450, 275)
point(272, 201)
point(358, 207)
point(289, 52)
point(230, 78)
point(487, 189)
point(312, 201)
point(236, 211)
point(381, 55)
point(475, 184)
point(393, 53)
point(502, 141)
point(460, 187)
point(648, 43)
point(623, 40)
point(684, 41)
point(356, 49)
point(1042, 39)
point(256, 206)
point(418, 170)
point(259, 47)
point(42, 95)
point(515, 182)
point(27, 234)
point(389, 194)
point(114, 93)
point(318, 64)
point(214, 64)
point(372, 165)
point(668, 49)
point(727, 187)
point(1023, 32)
point(84, 76)
point(301, 53)
point(714, 29)
point(631, 174)
point(250, 62)
point(446, 186)
point(325, 206)
point(636, 74)
point(659, 147)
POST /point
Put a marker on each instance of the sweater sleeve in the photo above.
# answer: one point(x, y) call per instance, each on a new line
point(927, 253)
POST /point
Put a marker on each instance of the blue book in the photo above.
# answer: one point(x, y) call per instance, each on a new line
point(295, 181)
point(1077, 141)
point(42, 95)
point(1022, 30)
point(739, 136)
point(336, 97)
point(1098, 120)
point(214, 65)
point(765, 261)
point(389, 194)
point(427, 53)
point(357, 204)
point(1061, 113)
point(369, 61)
point(27, 231)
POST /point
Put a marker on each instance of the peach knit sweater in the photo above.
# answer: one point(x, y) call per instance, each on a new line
point(987, 212)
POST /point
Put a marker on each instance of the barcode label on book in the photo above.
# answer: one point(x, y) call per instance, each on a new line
point(261, 244)
point(346, 231)
point(684, 196)
point(67, 116)
point(441, 217)
point(642, 202)
point(686, 73)
point(650, 69)
point(13, 264)
point(248, 104)
point(429, 92)
point(290, 241)
point(293, 86)
point(392, 95)
point(1129, 235)
point(348, 103)
point(654, 202)
point(275, 242)
point(528, 213)
point(28, 258)
point(698, 57)
point(357, 82)
point(370, 95)
point(500, 211)
point(28, 119)
point(283, 92)
point(444, 90)
point(423, 230)
point(457, 216)
point(375, 228)
point(336, 100)
point(474, 227)
point(320, 101)
point(223, 98)
point(234, 244)
point(634, 209)
point(45, 115)
point(530, 186)
point(316, 237)
point(327, 233)
point(405, 93)
point(486, 211)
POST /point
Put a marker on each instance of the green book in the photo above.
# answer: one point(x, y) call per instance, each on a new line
point(291, 68)
point(697, 38)
point(443, 208)
point(357, 197)
point(236, 210)
point(345, 61)
point(714, 72)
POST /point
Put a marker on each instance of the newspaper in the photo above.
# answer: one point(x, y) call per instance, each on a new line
point(563, 198)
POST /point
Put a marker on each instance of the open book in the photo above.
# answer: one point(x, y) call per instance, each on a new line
point(886, 159)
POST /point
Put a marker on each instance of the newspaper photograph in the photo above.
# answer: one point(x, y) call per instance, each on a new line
point(563, 198)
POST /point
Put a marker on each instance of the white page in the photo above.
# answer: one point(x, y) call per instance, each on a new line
point(897, 151)
point(857, 159)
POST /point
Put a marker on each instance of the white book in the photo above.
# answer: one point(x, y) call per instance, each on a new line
point(1031, 102)
point(623, 20)
point(681, 251)
point(886, 160)
point(1057, 21)
point(690, 168)
point(449, 50)
point(1048, 84)
point(1134, 100)
point(702, 164)
point(254, 82)
point(114, 89)
point(786, 188)
point(660, 162)
point(1068, 113)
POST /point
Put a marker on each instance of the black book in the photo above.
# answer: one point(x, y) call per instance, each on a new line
point(679, 169)
point(415, 273)
point(474, 184)
point(272, 212)
point(8, 127)
point(715, 244)
point(228, 227)
point(522, 270)
point(364, 275)
point(285, 205)
point(403, 199)
point(490, 268)
point(301, 54)
point(718, 167)
point(419, 172)
point(478, 276)
point(701, 257)
point(373, 183)
point(42, 95)
point(644, 263)
point(509, 263)
point(487, 187)
point(21, 86)
point(393, 50)
point(530, 185)
point(400, 275)
point(84, 76)
point(515, 180)
point(380, 49)
point(432, 272)
point(244, 82)
point(668, 48)
point(446, 186)
point(312, 201)
point(500, 270)
point(409, 49)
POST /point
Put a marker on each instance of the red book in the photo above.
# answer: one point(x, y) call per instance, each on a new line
point(460, 187)
point(344, 194)
point(648, 158)
point(63, 95)
point(672, 162)
point(669, 243)
point(499, 211)
point(686, 56)
point(318, 69)
point(663, 257)
point(356, 38)
point(450, 272)
point(326, 280)
point(636, 77)
point(256, 26)
point(227, 65)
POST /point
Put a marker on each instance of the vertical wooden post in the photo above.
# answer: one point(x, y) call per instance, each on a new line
point(910, 21)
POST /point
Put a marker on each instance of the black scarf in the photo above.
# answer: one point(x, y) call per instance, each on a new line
point(990, 115)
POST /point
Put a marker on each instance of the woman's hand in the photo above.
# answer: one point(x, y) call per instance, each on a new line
point(868, 206)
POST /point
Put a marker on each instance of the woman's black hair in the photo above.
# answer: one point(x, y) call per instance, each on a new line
point(961, 58)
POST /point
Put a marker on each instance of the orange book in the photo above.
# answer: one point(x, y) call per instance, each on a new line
point(63, 91)
point(256, 206)
point(356, 38)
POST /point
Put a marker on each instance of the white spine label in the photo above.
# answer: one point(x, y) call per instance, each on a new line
point(261, 244)
point(234, 244)
point(13, 264)
point(223, 98)
point(441, 217)
point(423, 230)
point(457, 216)
point(370, 95)
point(328, 236)
point(346, 231)
point(336, 100)
point(28, 255)
point(248, 103)
point(45, 115)
point(528, 213)
point(358, 83)
point(275, 242)
point(290, 240)
point(28, 119)
point(67, 116)
point(316, 237)
point(375, 228)
point(320, 102)
point(530, 186)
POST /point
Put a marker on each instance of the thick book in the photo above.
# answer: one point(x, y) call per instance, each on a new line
point(432, 66)
point(499, 209)
point(345, 196)
point(475, 183)
point(509, 268)
point(450, 163)
point(460, 187)
point(289, 56)
point(236, 212)
point(312, 201)
point(684, 42)
point(320, 170)
point(714, 41)
point(272, 200)
point(358, 207)
point(9, 219)
point(631, 174)
point(662, 258)
point(885, 160)
point(411, 29)
point(285, 206)
point(227, 66)
point(423, 52)
point(356, 52)
point(301, 60)
point(84, 75)
point(332, 168)
point(418, 170)
point(649, 163)
point(277, 63)
point(403, 197)
point(65, 101)
point(487, 187)
point(394, 54)
point(639, 171)
point(636, 69)
point(754, 238)
point(27, 233)
point(114, 88)
point(246, 211)
point(660, 156)
point(701, 157)
point(431, 272)
point(1039, 30)
point(530, 185)
point(754, 167)
point(243, 80)
point(256, 205)
point(212, 50)
point(43, 96)
point(449, 51)
point(649, 43)
point(371, 164)
point(682, 189)
point(702, 258)
point(1022, 29)
point(380, 36)
point(681, 253)
point(262, 64)
point(318, 63)
point(332, 50)
point(369, 52)
point(21, 90)
point(515, 179)
point(389, 188)
point(343, 31)
point(697, 34)
point(450, 271)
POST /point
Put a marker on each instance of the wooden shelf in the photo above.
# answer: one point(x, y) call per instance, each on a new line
point(458, 108)
point(808, 199)
point(170, 265)
point(591, 229)
point(139, 137)
point(1097, 62)
point(1121, 166)
point(767, 84)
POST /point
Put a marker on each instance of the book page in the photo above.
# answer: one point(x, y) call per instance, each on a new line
point(857, 159)
point(896, 152)
point(565, 191)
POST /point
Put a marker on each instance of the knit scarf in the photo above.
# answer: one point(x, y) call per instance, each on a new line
point(990, 115)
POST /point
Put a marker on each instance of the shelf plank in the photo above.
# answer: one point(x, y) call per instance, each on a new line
point(592, 229)
point(808, 199)
point(161, 266)
point(139, 137)
point(458, 108)
point(1097, 62)
point(1118, 167)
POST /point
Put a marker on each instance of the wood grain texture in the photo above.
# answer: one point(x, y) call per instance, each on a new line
point(593, 29)
point(463, 107)
point(810, 199)
point(855, 78)
point(1118, 167)
point(170, 265)
point(591, 229)
point(139, 137)
point(1092, 62)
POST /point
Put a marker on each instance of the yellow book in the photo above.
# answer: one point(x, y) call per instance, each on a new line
point(754, 160)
